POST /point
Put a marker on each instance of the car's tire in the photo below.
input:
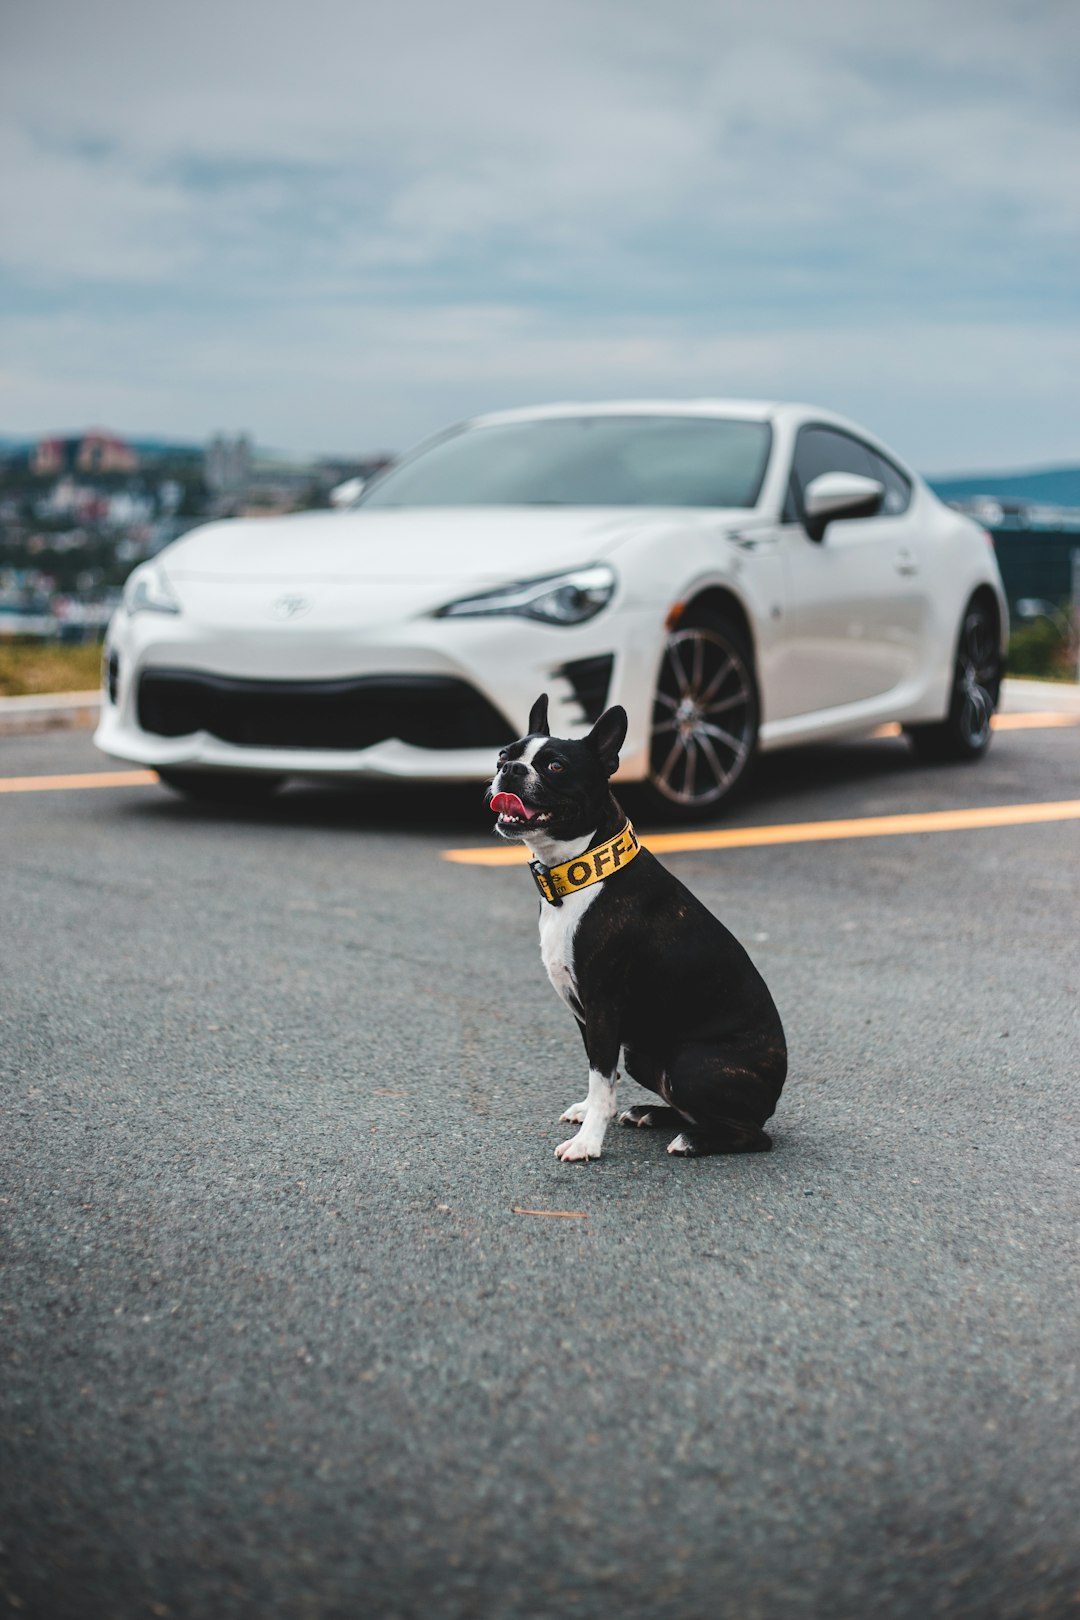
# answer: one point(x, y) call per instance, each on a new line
point(222, 787)
point(706, 713)
point(965, 732)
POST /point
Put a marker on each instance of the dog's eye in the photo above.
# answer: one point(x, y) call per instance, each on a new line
point(555, 766)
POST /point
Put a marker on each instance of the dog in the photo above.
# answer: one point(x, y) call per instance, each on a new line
point(647, 971)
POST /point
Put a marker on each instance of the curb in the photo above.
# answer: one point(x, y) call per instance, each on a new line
point(1022, 696)
point(49, 711)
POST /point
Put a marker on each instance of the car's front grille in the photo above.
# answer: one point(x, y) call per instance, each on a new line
point(429, 711)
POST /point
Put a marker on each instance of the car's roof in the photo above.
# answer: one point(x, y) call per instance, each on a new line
point(790, 412)
point(753, 409)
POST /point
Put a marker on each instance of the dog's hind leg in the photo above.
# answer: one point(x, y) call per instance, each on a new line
point(724, 1098)
point(694, 1144)
point(649, 1072)
point(646, 1115)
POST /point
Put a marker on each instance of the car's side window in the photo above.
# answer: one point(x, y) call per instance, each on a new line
point(897, 485)
point(825, 449)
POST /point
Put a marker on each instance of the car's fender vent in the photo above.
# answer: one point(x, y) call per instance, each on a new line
point(591, 682)
point(428, 711)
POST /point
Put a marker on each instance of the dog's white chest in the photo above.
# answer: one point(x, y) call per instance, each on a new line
point(558, 925)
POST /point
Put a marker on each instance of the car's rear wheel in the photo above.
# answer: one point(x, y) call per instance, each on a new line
point(965, 732)
point(705, 719)
point(221, 787)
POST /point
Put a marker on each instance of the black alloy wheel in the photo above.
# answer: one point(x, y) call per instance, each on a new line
point(705, 719)
point(965, 732)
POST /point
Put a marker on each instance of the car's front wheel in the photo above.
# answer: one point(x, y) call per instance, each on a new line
point(705, 719)
point(221, 787)
point(965, 732)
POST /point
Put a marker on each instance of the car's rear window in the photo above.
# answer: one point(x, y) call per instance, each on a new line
point(619, 460)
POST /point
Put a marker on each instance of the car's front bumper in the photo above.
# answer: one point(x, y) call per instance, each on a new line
point(391, 760)
point(503, 662)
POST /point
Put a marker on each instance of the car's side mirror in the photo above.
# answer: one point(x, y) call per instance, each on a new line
point(344, 494)
point(834, 495)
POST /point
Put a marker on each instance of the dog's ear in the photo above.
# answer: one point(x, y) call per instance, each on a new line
point(538, 720)
point(607, 737)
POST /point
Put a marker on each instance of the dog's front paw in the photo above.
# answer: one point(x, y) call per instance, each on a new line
point(575, 1114)
point(578, 1149)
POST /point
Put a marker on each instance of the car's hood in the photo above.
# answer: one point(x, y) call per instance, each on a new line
point(456, 547)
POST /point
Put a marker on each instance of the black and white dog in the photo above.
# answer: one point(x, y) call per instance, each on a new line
point(645, 969)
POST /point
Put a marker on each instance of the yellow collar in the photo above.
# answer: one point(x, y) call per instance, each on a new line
point(592, 867)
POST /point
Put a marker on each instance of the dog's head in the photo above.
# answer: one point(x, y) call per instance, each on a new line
point(557, 786)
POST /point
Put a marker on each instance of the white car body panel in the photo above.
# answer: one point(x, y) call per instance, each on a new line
point(848, 632)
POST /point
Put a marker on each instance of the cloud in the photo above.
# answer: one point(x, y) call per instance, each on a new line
point(371, 378)
point(422, 202)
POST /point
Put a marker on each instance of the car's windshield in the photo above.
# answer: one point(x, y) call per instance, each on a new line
point(624, 460)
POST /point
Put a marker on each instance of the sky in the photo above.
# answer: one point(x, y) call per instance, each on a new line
point(339, 226)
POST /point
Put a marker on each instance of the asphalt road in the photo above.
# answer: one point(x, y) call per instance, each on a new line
point(275, 1344)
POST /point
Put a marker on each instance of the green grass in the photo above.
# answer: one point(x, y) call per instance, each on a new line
point(1038, 650)
point(30, 667)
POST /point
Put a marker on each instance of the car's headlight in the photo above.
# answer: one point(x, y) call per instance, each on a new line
point(148, 591)
point(568, 598)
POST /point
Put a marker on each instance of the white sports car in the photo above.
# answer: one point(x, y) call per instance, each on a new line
point(741, 576)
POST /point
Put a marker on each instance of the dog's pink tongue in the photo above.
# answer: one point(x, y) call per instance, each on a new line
point(509, 804)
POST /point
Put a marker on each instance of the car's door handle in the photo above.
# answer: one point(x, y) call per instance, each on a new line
point(905, 563)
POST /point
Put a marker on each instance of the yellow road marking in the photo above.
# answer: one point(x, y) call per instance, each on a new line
point(1004, 722)
point(815, 832)
point(1033, 722)
point(89, 779)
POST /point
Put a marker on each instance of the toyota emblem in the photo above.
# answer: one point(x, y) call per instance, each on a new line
point(292, 607)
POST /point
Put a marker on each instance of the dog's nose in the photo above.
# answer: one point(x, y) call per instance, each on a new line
point(513, 767)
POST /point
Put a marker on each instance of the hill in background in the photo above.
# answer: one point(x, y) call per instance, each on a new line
point(1052, 486)
point(1048, 486)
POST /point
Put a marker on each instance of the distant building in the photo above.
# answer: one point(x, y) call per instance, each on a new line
point(51, 457)
point(227, 464)
point(104, 452)
point(92, 452)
